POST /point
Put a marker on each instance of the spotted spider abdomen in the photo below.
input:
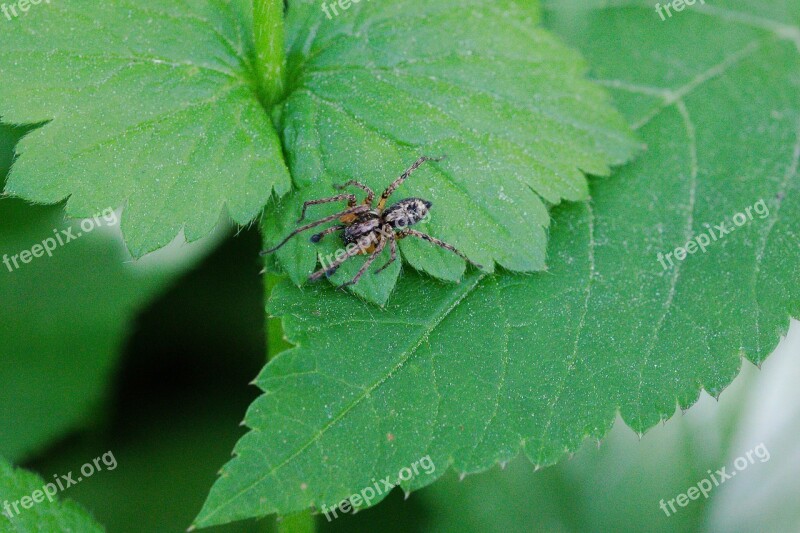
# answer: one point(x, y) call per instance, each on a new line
point(406, 212)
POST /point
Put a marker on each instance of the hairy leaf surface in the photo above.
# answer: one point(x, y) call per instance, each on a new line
point(154, 106)
point(386, 82)
point(151, 106)
point(473, 374)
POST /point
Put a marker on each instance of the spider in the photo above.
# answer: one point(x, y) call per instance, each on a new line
point(368, 230)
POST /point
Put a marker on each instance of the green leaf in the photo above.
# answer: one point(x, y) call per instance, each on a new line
point(45, 515)
point(166, 462)
point(150, 105)
point(618, 486)
point(384, 83)
point(473, 374)
point(165, 98)
point(65, 316)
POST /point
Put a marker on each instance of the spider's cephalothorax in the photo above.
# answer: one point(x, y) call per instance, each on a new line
point(362, 229)
point(368, 229)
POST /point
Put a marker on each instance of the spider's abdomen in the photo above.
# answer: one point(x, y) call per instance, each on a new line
point(406, 212)
point(362, 228)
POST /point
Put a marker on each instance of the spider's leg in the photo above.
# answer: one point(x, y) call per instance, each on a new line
point(333, 229)
point(437, 242)
point(333, 267)
point(349, 211)
point(403, 177)
point(393, 249)
point(367, 263)
point(351, 201)
point(354, 183)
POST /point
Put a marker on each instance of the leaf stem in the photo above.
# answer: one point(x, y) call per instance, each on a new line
point(303, 522)
point(268, 35)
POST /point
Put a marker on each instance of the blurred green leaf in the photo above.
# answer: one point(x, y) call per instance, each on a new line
point(44, 515)
point(64, 324)
point(65, 317)
point(175, 411)
point(476, 373)
point(165, 466)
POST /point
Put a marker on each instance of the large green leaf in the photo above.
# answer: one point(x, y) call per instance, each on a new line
point(474, 374)
point(65, 317)
point(151, 106)
point(386, 82)
point(154, 106)
point(20, 487)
